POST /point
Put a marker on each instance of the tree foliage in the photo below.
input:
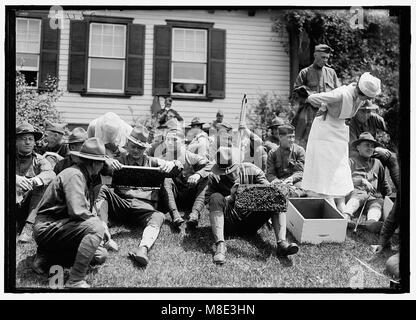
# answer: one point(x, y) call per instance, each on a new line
point(36, 106)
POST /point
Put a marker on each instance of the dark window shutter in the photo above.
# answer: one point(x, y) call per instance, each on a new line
point(161, 60)
point(216, 64)
point(135, 59)
point(49, 52)
point(78, 45)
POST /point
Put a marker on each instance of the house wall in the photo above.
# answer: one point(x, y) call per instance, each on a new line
point(257, 62)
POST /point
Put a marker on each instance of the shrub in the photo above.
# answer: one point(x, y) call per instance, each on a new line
point(269, 105)
point(36, 106)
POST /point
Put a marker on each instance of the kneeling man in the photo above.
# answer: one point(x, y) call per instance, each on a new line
point(220, 197)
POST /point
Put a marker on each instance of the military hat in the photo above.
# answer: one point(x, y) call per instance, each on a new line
point(276, 122)
point(225, 161)
point(286, 128)
point(55, 127)
point(195, 121)
point(93, 148)
point(77, 135)
point(139, 135)
point(365, 136)
point(26, 127)
point(323, 48)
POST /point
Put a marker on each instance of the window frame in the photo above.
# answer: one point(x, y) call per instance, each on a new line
point(38, 53)
point(207, 26)
point(90, 57)
point(205, 63)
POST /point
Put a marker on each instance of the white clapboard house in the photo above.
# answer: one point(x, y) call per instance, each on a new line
point(117, 60)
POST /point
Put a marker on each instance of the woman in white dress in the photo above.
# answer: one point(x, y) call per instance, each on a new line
point(327, 172)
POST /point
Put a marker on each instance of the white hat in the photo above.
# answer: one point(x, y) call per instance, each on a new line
point(369, 85)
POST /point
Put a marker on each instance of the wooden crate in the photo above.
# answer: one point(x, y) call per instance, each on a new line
point(315, 220)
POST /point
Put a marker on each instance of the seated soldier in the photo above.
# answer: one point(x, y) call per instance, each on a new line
point(188, 188)
point(65, 226)
point(252, 149)
point(131, 204)
point(75, 141)
point(159, 137)
point(220, 196)
point(199, 143)
point(54, 148)
point(33, 174)
point(367, 120)
point(273, 140)
point(370, 183)
point(222, 136)
point(285, 163)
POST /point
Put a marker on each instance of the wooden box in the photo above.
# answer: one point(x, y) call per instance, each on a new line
point(315, 220)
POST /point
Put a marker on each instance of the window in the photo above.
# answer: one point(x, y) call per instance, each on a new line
point(106, 58)
point(189, 62)
point(28, 37)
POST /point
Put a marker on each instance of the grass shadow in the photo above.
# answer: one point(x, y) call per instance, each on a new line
point(200, 240)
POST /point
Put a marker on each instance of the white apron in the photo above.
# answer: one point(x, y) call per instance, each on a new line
point(327, 170)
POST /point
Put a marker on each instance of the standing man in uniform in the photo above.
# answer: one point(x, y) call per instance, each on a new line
point(313, 79)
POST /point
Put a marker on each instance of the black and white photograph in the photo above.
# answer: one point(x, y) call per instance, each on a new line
point(207, 149)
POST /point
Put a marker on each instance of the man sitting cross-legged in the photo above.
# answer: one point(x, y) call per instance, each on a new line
point(225, 218)
point(135, 204)
point(370, 183)
point(190, 185)
point(66, 225)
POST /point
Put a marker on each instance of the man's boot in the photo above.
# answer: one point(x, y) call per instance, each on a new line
point(285, 248)
point(176, 218)
point(220, 250)
point(193, 220)
point(140, 256)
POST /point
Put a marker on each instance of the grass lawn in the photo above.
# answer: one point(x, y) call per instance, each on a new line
point(184, 259)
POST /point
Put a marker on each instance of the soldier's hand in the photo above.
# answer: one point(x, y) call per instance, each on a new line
point(368, 186)
point(377, 248)
point(288, 181)
point(382, 154)
point(107, 234)
point(193, 180)
point(276, 181)
point(234, 189)
point(167, 166)
point(24, 183)
point(115, 164)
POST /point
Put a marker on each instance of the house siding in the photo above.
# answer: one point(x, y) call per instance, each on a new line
point(257, 61)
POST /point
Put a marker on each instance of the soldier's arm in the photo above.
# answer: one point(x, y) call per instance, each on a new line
point(271, 173)
point(46, 173)
point(78, 204)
